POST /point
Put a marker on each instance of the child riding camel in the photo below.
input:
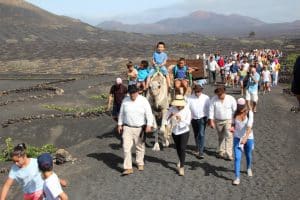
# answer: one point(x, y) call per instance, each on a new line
point(159, 60)
point(131, 73)
point(181, 74)
point(143, 72)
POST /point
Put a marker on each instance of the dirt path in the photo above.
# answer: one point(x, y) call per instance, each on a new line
point(96, 175)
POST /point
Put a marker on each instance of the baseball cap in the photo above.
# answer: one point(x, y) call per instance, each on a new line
point(241, 101)
point(45, 162)
point(132, 89)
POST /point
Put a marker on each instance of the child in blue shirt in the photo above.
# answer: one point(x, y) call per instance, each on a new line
point(159, 59)
point(181, 74)
point(143, 73)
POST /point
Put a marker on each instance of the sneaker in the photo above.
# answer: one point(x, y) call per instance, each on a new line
point(195, 152)
point(200, 156)
point(141, 167)
point(228, 158)
point(127, 172)
point(181, 171)
point(220, 155)
point(249, 172)
point(236, 181)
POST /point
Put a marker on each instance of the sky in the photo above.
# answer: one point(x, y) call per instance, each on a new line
point(149, 11)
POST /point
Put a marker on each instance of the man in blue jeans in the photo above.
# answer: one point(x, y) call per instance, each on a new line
point(199, 106)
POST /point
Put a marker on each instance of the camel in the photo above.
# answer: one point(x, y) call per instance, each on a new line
point(159, 100)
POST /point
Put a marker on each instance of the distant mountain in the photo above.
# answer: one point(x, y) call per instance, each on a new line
point(205, 23)
point(20, 12)
point(28, 32)
point(22, 21)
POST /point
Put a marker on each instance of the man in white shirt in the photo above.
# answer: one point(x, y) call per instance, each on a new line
point(221, 111)
point(199, 106)
point(135, 113)
point(212, 67)
point(245, 64)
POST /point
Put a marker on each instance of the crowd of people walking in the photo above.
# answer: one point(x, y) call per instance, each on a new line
point(232, 119)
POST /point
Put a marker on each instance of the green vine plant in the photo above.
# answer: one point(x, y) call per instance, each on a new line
point(290, 60)
point(98, 109)
point(99, 97)
point(32, 151)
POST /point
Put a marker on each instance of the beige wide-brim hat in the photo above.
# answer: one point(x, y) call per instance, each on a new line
point(179, 101)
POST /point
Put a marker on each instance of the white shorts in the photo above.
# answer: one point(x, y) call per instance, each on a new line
point(233, 76)
point(251, 96)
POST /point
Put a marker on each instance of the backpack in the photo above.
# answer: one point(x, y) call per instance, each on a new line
point(175, 69)
point(246, 81)
point(188, 75)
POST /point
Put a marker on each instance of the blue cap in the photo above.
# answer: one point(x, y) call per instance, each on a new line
point(45, 162)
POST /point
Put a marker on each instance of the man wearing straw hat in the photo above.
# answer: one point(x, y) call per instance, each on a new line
point(179, 116)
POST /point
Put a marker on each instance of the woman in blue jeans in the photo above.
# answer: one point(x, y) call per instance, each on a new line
point(243, 138)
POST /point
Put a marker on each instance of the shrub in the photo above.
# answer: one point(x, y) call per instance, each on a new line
point(290, 46)
point(11, 41)
point(98, 109)
point(28, 40)
point(259, 42)
point(90, 28)
point(80, 40)
point(280, 42)
point(99, 97)
point(290, 60)
point(32, 151)
point(243, 41)
point(186, 45)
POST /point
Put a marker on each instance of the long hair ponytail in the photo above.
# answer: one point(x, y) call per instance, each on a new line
point(19, 150)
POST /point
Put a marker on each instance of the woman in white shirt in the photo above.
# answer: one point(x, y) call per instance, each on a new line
point(179, 116)
point(266, 77)
point(243, 138)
